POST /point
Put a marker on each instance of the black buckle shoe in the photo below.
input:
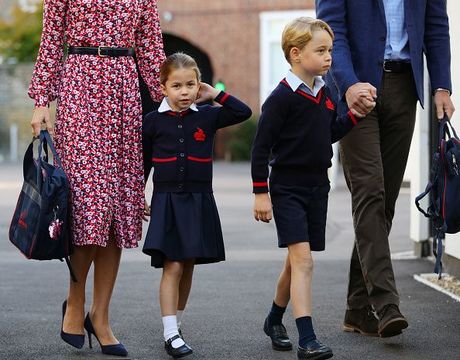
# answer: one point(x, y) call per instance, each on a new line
point(314, 350)
point(278, 335)
point(180, 352)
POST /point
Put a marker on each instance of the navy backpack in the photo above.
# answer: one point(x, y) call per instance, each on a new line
point(40, 224)
point(444, 189)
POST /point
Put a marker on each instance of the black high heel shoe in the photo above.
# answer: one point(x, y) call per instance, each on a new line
point(76, 340)
point(115, 349)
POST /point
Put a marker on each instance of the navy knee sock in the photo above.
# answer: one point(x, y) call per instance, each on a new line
point(275, 316)
point(305, 328)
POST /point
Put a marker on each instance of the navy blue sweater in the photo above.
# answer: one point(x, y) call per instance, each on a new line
point(297, 130)
point(179, 145)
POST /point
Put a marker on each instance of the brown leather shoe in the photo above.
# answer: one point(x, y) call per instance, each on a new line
point(362, 321)
point(391, 321)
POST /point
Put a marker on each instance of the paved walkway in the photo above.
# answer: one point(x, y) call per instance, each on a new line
point(229, 300)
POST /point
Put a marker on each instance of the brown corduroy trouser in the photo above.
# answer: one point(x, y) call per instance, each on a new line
point(374, 156)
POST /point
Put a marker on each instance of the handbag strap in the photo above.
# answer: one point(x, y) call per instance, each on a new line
point(46, 141)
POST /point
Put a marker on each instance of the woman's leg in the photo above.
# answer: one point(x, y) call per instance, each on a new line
point(106, 263)
point(81, 260)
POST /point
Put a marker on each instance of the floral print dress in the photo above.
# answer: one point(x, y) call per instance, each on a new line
point(99, 117)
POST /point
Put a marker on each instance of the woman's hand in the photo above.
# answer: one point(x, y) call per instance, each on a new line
point(146, 214)
point(262, 207)
point(41, 117)
point(206, 93)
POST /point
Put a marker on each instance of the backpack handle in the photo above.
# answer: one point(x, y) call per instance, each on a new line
point(445, 127)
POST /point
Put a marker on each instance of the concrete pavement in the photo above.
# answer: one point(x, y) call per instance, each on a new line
point(229, 300)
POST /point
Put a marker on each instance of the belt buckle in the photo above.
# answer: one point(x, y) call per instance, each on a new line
point(99, 48)
point(385, 69)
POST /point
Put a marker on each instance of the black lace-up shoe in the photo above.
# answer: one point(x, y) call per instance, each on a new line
point(278, 335)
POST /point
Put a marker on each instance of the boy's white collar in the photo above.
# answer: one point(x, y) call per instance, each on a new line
point(294, 82)
point(164, 106)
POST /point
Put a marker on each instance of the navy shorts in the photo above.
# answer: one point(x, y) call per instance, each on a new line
point(300, 214)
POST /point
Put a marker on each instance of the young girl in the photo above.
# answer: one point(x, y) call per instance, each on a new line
point(185, 228)
point(296, 128)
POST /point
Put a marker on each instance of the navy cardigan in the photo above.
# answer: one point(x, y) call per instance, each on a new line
point(179, 145)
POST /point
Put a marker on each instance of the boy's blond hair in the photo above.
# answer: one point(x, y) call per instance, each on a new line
point(299, 32)
point(176, 61)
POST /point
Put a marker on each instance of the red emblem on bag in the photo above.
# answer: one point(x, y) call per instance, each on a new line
point(199, 135)
point(330, 104)
point(22, 223)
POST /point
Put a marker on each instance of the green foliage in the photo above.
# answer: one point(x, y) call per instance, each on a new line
point(241, 139)
point(20, 36)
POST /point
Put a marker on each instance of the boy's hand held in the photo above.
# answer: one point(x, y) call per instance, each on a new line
point(262, 207)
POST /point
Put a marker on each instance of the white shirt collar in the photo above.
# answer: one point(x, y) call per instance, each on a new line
point(164, 106)
point(295, 82)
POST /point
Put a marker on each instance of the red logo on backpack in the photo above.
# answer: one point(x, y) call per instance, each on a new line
point(199, 135)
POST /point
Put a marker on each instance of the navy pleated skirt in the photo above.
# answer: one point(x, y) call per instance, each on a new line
point(184, 226)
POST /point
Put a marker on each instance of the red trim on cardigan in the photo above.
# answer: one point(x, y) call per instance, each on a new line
point(163, 160)
point(224, 98)
point(193, 158)
point(260, 184)
point(353, 119)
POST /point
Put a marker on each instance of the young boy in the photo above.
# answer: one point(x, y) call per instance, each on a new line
point(297, 126)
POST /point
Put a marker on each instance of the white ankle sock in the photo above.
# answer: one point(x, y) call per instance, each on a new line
point(179, 317)
point(170, 330)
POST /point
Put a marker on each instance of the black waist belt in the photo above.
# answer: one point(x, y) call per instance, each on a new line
point(101, 51)
point(392, 66)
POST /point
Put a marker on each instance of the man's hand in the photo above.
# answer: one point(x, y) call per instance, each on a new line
point(262, 207)
point(41, 117)
point(361, 98)
point(443, 104)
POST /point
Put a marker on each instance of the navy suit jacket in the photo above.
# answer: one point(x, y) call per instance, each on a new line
point(359, 44)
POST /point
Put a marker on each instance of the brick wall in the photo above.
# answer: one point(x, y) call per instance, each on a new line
point(228, 31)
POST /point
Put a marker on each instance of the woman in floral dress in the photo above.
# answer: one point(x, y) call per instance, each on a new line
point(98, 136)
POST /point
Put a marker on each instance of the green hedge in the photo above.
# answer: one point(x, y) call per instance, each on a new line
point(240, 142)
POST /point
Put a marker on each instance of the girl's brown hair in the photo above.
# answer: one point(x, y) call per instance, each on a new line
point(178, 61)
point(299, 32)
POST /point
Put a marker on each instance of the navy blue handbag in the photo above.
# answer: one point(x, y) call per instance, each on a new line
point(40, 224)
point(444, 189)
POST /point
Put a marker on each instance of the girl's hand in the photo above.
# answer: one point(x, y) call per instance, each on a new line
point(206, 93)
point(41, 117)
point(262, 207)
point(146, 214)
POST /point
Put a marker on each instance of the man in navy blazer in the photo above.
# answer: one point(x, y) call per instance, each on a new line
point(378, 55)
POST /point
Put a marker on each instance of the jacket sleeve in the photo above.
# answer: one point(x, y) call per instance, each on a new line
point(269, 127)
point(342, 71)
point(147, 145)
point(44, 85)
point(149, 47)
point(233, 111)
point(437, 44)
